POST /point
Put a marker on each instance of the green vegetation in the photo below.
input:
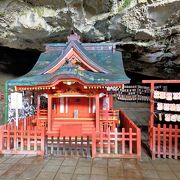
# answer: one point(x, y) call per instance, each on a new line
point(1, 14)
point(2, 86)
point(124, 4)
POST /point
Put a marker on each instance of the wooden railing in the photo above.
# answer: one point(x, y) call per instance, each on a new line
point(126, 143)
point(110, 115)
point(42, 113)
point(111, 124)
point(164, 141)
point(21, 140)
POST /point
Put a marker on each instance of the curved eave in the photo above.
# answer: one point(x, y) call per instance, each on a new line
point(55, 80)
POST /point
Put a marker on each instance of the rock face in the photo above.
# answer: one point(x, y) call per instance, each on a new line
point(147, 30)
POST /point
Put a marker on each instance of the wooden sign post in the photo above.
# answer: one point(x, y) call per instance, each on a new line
point(16, 103)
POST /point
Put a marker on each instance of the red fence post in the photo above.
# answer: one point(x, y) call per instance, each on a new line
point(159, 141)
point(153, 143)
point(123, 141)
point(131, 142)
point(101, 142)
point(109, 141)
point(35, 138)
point(138, 144)
point(164, 140)
point(93, 144)
point(176, 142)
point(8, 137)
point(170, 141)
point(22, 138)
point(15, 138)
point(42, 140)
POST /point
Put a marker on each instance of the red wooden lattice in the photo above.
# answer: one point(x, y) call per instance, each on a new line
point(164, 141)
point(14, 140)
point(126, 143)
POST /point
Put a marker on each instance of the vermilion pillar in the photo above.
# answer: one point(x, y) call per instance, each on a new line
point(97, 112)
point(107, 108)
point(49, 112)
point(152, 104)
point(38, 107)
point(111, 102)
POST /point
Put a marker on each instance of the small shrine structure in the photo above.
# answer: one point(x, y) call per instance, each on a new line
point(68, 93)
point(164, 121)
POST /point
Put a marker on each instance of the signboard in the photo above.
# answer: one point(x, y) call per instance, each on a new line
point(106, 103)
point(16, 100)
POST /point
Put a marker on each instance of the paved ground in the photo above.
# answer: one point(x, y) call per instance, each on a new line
point(30, 167)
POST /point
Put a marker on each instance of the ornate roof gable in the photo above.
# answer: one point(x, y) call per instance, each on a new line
point(75, 52)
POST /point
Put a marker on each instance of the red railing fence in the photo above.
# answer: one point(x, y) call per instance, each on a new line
point(125, 144)
point(164, 141)
point(20, 140)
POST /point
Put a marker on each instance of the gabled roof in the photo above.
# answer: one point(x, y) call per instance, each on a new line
point(75, 45)
point(102, 57)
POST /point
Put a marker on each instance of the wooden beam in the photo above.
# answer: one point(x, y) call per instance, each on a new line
point(161, 81)
point(152, 105)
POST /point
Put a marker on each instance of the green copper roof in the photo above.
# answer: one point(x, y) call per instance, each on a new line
point(108, 61)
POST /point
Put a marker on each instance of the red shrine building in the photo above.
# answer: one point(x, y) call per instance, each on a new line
point(69, 93)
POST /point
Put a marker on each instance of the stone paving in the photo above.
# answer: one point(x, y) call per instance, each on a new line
point(59, 168)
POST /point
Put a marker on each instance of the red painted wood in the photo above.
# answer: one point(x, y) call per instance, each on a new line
point(164, 140)
point(130, 141)
point(153, 143)
point(35, 139)
point(93, 144)
point(108, 141)
point(22, 138)
point(152, 105)
point(170, 141)
point(28, 138)
point(159, 140)
point(123, 141)
point(49, 112)
point(15, 137)
point(38, 106)
point(138, 141)
point(176, 141)
point(167, 138)
point(162, 81)
point(71, 130)
point(97, 113)
point(8, 137)
point(101, 141)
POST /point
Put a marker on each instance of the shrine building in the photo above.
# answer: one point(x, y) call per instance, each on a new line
point(75, 77)
point(65, 103)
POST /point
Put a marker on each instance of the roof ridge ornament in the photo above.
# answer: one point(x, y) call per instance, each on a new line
point(73, 36)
